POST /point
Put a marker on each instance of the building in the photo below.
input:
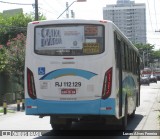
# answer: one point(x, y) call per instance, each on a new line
point(13, 12)
point(129, 17)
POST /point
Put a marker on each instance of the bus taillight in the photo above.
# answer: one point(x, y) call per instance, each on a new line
point(107, 84)
point(31, 84)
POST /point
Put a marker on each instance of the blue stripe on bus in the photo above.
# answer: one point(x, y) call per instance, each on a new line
point(31, 102)
point(92, 107)
point(68, 72)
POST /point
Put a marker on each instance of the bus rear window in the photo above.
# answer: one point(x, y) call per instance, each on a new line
point(71, 40)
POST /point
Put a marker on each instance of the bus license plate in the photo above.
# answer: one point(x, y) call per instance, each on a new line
point(68, 91)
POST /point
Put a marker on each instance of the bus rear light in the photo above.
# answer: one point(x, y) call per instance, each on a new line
point(31, 84)
point(108, 108)
point(107, 84)
point(103, 21)
point(31, 107)
point(35, 22)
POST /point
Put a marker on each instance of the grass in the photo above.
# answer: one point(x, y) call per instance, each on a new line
point(8, 111)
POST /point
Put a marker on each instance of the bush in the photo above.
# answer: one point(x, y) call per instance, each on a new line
point(3, 58)
point(16, 57)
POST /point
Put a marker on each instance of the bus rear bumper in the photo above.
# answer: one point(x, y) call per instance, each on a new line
point(87, 107)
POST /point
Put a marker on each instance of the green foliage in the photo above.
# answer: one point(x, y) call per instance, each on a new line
point(10, 26)
point(148, 49)
point(16, 56)
point(8, 111)
point(156, 54)
point(143, 47)
point(3, 58)
point(13, 30)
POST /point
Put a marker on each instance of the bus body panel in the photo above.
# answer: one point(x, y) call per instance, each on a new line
point(87, 107)
point(73, 85)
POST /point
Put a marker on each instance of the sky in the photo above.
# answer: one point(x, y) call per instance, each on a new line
point(91, 9)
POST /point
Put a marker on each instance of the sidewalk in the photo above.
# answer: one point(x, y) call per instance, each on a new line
point(11, 109)
point(153, 119)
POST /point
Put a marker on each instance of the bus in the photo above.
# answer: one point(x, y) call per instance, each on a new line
point(80, 70)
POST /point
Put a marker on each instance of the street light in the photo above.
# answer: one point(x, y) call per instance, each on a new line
point(70, 6)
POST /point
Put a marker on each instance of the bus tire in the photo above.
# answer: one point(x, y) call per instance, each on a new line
point(125, 118)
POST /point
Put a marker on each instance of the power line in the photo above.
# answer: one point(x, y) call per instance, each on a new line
point(46, 10)
point(155, 14)
point(150, 14)
point(16, 3)
point(48, 5)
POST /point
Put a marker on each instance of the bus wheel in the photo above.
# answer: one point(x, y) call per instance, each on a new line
point(60, 123)
point(125, 118)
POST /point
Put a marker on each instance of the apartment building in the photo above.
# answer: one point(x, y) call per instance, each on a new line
point(129, 17)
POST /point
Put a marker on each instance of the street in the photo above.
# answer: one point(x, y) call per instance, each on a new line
point(146, 118)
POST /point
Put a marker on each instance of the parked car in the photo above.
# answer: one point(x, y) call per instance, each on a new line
point(153, 79)
point(158, 78)
point(145, 79)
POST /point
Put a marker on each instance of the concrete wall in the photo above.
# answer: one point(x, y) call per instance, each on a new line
point(9, 90)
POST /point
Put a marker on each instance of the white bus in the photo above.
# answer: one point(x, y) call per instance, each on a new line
point(78, 70)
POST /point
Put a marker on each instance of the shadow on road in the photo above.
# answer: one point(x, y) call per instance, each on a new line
point(134, 122)
point(97, 129)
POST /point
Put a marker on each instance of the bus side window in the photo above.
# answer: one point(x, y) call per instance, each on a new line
point(132, 67)
point(128, 67)
point(116, 45)
point(130, 60)
point(135, 63)
point(123, 55)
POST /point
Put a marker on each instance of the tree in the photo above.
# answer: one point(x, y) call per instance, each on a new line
point(16, 56)
point(3, 58)
point(13, 30)
point(10, 26)
point(147, 53)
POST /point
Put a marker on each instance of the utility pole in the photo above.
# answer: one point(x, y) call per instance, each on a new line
point(72, 14)
point(67, 10)
point(68, 6)
point(36, 10)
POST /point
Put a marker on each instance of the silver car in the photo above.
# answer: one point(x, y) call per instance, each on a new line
point(145, 79)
